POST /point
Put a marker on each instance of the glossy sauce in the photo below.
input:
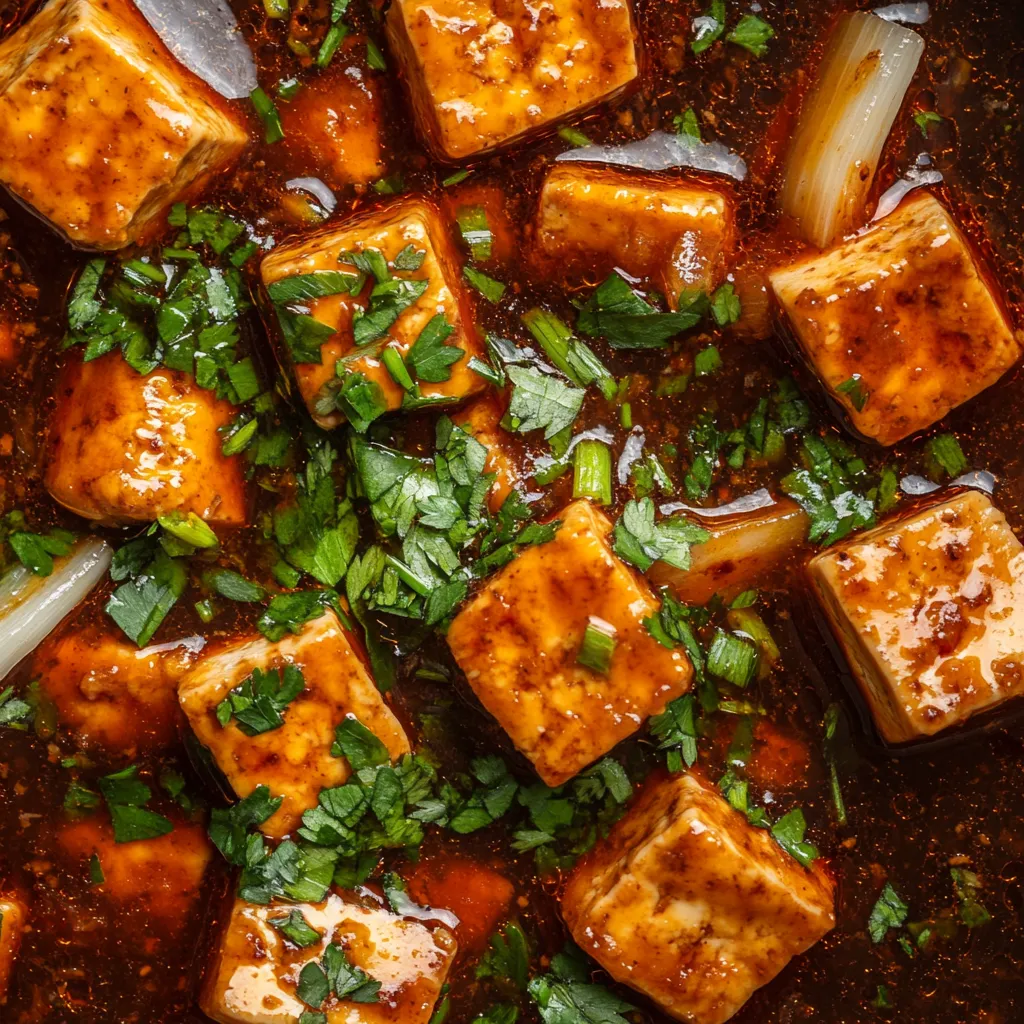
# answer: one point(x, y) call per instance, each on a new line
point(89, 960)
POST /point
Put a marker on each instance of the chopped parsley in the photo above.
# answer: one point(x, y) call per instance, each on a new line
point(888, 912)
point(334, 973)
point(641, 541)
point(151, 584)
point(925, 120)
point(126, 796)
point(257, 703)
point(566, 995)
point(967, 885)
point(752, 33)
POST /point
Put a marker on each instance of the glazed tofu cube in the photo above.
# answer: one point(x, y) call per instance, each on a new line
point(337, 119)
point(742, 551)
point(484, 73)
point(110, 694)
point(255, 971)
point(482, 418)
point(594, 219)
point(518, 640)
point(126, 447)
point(148, 879)
point(692, 906)
point(13, 918)
point(389, 231)
point(900, 323)
point(294, 759)
point(929, 609)
point(103, 130)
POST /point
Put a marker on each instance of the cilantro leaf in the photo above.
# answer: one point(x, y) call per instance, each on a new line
point(752, 33)
point(358, 745)
point(429, 358)
point(708, 28)
point(229, 826)
point(294, 927)
point(258, 701)
point(126, 796)
point(507, 958)
point(642, 542)
point(615, 312)
point(888, 912)
point(565, 996)
point(139, 605)
point(789, 831)
point(541, 401)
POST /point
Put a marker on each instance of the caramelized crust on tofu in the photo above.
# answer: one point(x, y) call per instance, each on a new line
point(743, 550)
point(295, 759)
point(151, 878)
point(127, 448)
point(692, 906)
point(903, 316)
point(678, 235)
point(111, 694)
point(930, 611)
point(256, 970)
point(484, 73)
point(103, 129)
point(482, 418)
point(518, 639)
point(411, 221)
point(13, 918)
point(337, 118)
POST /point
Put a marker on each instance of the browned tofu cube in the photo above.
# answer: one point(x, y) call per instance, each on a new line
point(295, 758)
point(109, 693)
point(103, 129)
point(13, 918)
point(126, 448)
point(484, 73)
point(929, 609)
point(148, 879)
point(675, 234)
point(255, 971)
point(519, 638)
point(689, 904)
point(900, 323)
point(742, 551)
point(412, 225)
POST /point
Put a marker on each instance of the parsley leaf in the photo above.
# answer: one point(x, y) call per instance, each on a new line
point(258, 701)
point(888, 912)
point(566, 997)
point(126, 797)
point(507, 958)
point(642, 542)
point(615, 312)
point(429, 358)
point(924, 119)
point(358, 745)
point(541, 401)
point(294, 927)
point(141, 604)
point(708, 28)
point(789, 831)
point(752, 33)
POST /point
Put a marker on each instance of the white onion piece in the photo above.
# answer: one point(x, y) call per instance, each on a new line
point(661, 151)
point(865, 72)
point(206, 38)
point(315, 187)
point(909, 14)
point(758, 499)
point(893, 195)
point(32, 606)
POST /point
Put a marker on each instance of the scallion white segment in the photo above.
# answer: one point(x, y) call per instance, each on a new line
point(864, 75)
point(32, 606)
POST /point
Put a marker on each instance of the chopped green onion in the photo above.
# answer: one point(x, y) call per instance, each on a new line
point(287, 88)
point(598, 646)
point(476, 231)
point(488, 287)
point(276, 8)
point(732, 659)
point(573, 136)
point(745, 620)
point(853, 388)
point(268, 115)
point(456, 179)
point(188, 528)
point(395, 365)
point(944, 455)
point(626, 416)
point(240, 439)
point(592, 471)
point(374, 57)
point(205, 610)
point(329, 47)
point(569, 355)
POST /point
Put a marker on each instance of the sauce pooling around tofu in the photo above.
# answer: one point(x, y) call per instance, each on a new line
point(742, 432)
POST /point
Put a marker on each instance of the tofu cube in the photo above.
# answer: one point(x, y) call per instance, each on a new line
point(295, 759)
point(110, 694)
point(408, 222)
point(594, 219)
point(742, 551)
point(255, 970)
point(149, 879)
point(900, 323)
point(484, 73)
point(13, 918)
point(126, 447)
point(103, 129)
point(929, 609)
point(518, 639)
point(692, 906)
